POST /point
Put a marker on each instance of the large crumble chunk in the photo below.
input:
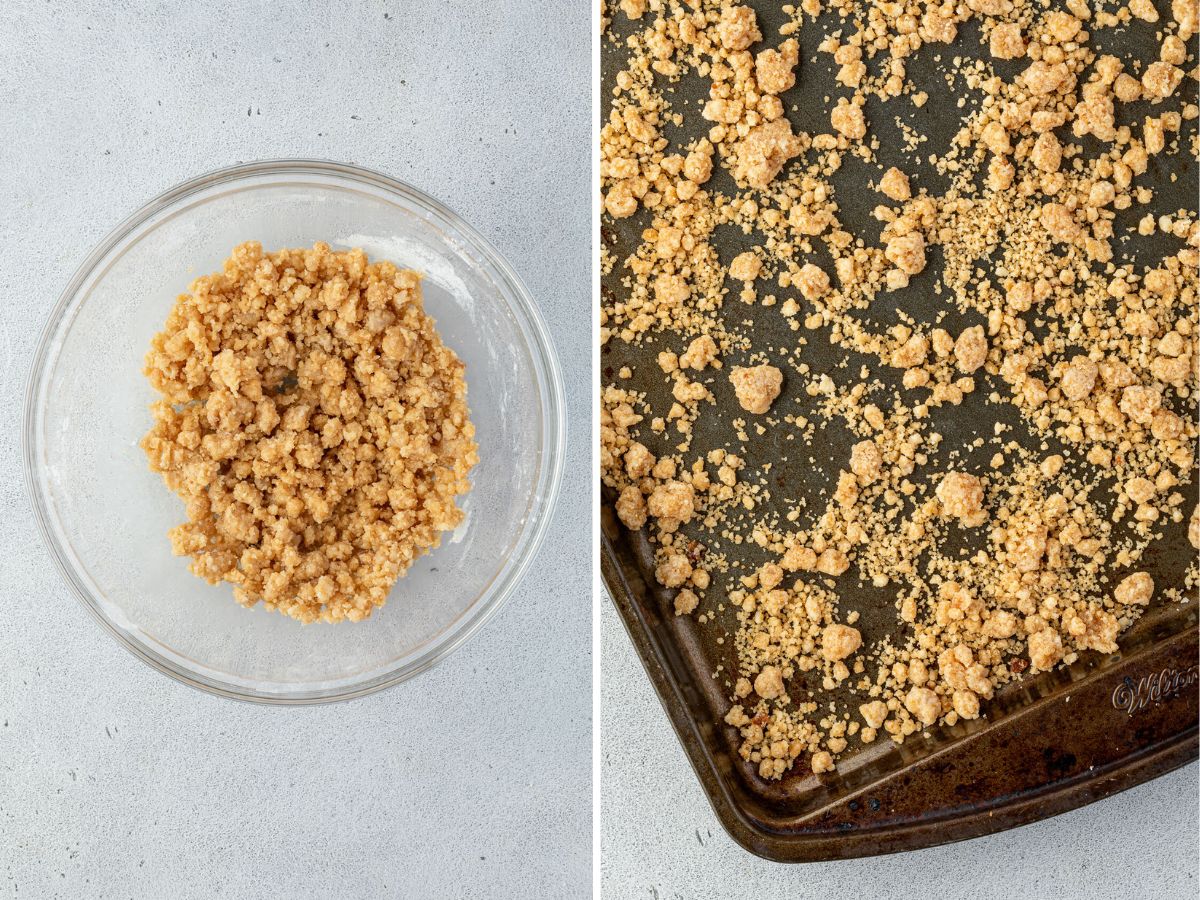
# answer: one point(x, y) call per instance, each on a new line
point(756, 386)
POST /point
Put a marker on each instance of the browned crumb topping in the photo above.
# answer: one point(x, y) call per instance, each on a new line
point(315, 426)
point(1010, 550)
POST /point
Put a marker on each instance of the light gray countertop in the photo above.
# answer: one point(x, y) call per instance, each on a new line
point(474, 779)
point(660, 839)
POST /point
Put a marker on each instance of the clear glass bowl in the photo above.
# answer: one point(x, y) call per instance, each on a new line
point(105, 515)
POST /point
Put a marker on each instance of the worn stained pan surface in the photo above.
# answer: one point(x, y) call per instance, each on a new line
point(1046, 744)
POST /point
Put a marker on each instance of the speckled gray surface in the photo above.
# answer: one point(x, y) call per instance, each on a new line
point(1140, 843)
point(472, 780)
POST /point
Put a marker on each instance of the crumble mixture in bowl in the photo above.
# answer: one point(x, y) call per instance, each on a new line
point(314, 424)
point(105, 514)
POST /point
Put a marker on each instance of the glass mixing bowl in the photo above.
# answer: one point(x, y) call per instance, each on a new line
point(105, 515)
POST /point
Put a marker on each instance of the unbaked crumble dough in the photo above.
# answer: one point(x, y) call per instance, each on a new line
point(315, 426)
point(1010, 552)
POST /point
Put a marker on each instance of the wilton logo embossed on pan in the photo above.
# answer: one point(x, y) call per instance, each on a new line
point(1133, 696)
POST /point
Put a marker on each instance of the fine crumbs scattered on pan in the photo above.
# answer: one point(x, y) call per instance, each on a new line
point(1007, 552)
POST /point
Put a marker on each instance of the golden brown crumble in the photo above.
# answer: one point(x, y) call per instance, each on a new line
point(315, 426)
point(1087, 352)
point(756, 387)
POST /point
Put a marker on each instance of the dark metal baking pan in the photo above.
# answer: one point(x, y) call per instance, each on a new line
point(1047, 743)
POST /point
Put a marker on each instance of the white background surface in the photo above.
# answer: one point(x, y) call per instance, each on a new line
point(661, 841)
point(474, 779)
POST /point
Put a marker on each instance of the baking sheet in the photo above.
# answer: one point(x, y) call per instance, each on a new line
point(1047, 743)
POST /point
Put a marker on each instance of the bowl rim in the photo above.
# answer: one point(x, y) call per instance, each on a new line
point(541, 348)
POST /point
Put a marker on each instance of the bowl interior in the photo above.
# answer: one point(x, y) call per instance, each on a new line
point(109, 513)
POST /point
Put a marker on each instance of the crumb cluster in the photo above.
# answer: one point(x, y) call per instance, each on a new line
point(1067, 359)
point(315, 426)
